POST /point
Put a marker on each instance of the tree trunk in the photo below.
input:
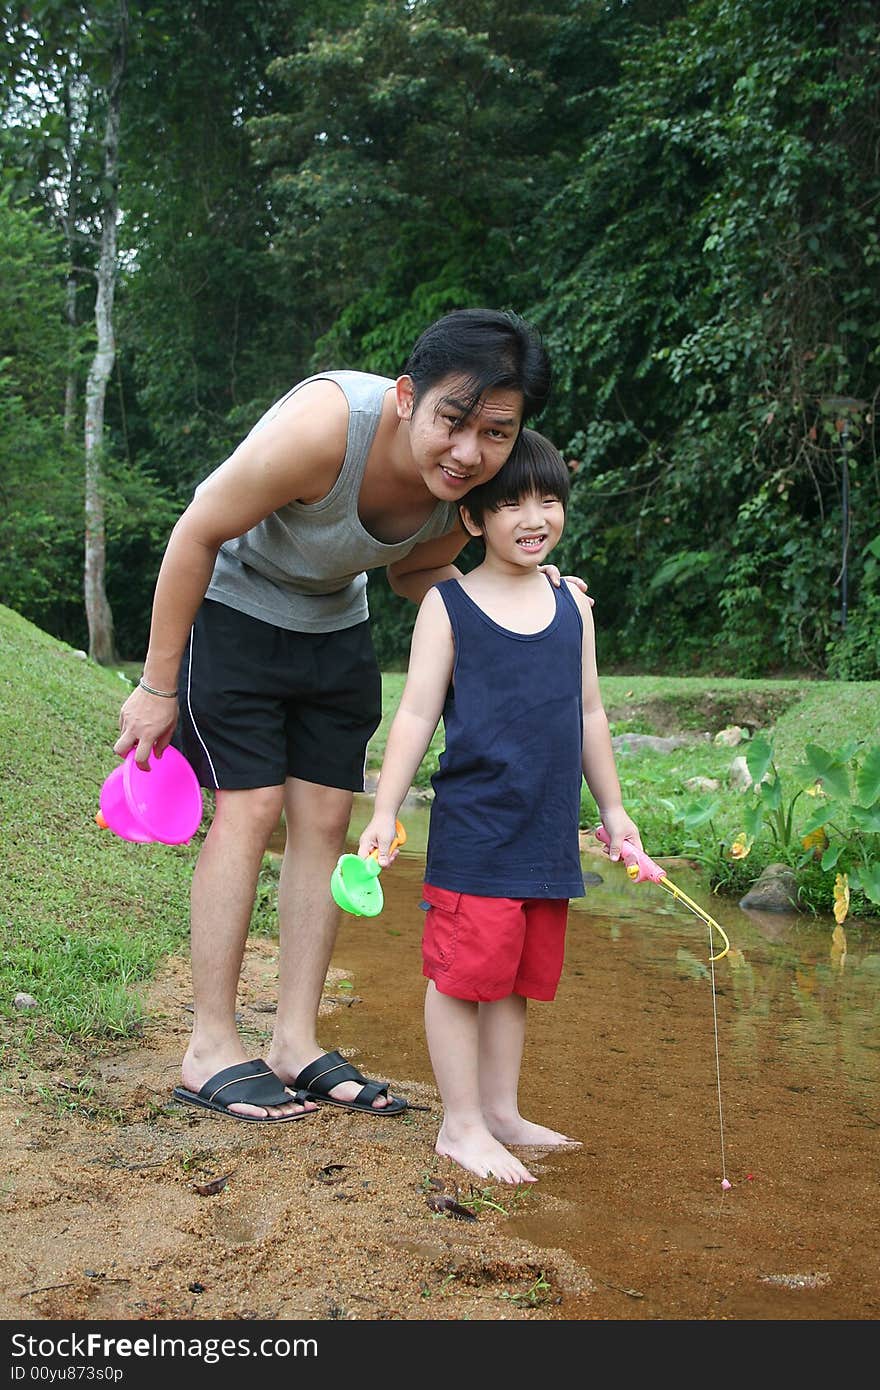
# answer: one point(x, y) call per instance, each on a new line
point(68, 223)
point(102, 647)
point(70, 290)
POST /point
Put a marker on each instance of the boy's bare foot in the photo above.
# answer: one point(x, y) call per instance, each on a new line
point(516, 1130)
point(480, 1153)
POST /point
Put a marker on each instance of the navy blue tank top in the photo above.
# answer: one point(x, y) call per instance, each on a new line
point(504, 820)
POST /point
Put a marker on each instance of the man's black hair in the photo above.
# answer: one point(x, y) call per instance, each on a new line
point(488, 350)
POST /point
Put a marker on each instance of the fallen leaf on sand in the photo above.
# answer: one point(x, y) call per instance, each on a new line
point(448, 1207)
point(210, 1189)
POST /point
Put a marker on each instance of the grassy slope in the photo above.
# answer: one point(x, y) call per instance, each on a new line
point(85, 914)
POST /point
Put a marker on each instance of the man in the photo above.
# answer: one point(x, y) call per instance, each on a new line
point(260, 659)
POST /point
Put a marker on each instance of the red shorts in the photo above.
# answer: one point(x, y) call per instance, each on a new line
point(487, 948)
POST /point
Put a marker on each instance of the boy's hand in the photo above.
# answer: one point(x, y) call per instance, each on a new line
point(619, 827)
point(378, 835)
point(556, 578)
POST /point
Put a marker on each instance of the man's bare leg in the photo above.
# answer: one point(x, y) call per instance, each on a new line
point(452, 1027)
point(222, 900)
point(317, 822)
point(502, 1035)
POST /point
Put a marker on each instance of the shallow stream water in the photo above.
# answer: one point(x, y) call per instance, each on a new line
point(762, 1070)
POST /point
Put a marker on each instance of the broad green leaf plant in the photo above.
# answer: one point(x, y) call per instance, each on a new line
point(839, 823)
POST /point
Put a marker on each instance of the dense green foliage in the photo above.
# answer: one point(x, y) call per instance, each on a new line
point(681, 194)
point(712, 283)
point(40, 483)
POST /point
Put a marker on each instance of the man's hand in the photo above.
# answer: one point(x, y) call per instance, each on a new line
point(148, 721)
point(556, 579)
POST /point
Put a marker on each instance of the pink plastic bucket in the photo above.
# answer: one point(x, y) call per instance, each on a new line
point(163, 804)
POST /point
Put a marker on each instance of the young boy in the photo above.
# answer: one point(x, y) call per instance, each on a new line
point(509, 662)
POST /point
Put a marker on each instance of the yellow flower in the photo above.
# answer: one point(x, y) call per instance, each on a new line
point(815, 790)
point(741, 847)
point(841, 898)
point(817, 841)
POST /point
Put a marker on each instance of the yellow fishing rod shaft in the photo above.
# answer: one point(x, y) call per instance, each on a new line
point(640, 867)
point(666, 882)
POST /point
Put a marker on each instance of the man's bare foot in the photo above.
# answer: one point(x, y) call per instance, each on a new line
point(196, 1072)
point(480, 1153)
point(516, 1130)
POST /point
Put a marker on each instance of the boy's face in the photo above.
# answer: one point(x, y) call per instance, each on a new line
point(520, 533)
point(453, 452)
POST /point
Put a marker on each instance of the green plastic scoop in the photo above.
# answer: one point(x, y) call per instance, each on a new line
point(355, 884)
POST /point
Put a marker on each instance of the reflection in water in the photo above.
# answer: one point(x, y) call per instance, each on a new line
point(625, 1059)
point(827, 973)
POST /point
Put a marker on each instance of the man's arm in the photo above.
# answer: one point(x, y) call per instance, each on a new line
point(427, 564)
point(298, 455)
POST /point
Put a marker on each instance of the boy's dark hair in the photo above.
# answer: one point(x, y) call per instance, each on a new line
point(492, 350)
point(533, 465)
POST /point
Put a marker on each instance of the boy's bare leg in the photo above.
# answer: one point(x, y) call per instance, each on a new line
point(316, 820)
point(222, 899)
point(502, 1034)
point(453, 1033)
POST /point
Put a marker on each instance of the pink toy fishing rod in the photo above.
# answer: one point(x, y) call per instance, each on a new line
point(641, 867)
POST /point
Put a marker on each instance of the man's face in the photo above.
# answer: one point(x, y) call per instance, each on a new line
point(454, 451)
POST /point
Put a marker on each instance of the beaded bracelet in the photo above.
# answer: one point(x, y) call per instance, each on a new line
point(165, 694)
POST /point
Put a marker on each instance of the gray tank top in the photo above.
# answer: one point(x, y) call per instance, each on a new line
point(303, 567)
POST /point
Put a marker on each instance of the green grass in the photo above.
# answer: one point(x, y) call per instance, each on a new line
point(799, 711)
point(791, 713)
point(86, 918)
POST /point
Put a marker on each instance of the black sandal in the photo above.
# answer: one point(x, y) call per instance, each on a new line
point(317, 1079)
point(247, 1083)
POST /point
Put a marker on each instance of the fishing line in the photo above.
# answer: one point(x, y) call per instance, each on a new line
point(640, 867)
point(724, 1182)
point(666, 882)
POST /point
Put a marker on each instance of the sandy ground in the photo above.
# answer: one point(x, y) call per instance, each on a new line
point(118, 1204)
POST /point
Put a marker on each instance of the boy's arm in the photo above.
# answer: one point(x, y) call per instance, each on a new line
point(597, 754)
point(431, 660)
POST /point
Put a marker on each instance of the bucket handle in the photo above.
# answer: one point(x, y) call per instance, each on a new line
point(399, 839)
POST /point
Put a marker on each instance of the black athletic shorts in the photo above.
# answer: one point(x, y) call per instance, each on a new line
point(260, 703)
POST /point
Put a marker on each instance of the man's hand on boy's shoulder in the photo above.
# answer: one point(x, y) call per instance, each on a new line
point(574, 580)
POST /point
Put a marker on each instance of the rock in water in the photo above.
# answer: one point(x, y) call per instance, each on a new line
point(774, 891)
